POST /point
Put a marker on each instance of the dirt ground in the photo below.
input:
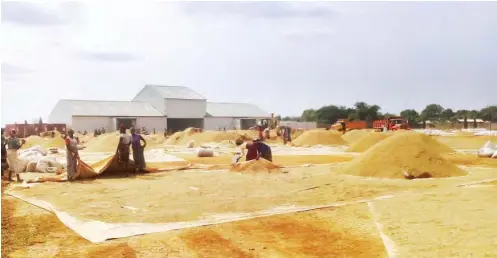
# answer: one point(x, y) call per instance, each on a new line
point(449, 217)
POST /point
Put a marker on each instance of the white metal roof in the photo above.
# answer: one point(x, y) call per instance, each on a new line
point(176, 92)
point(108, 108)
point(235, 110)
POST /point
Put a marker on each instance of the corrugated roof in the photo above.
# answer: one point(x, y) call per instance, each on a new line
point(235, 110)
point(109, 108)
point(176, 92)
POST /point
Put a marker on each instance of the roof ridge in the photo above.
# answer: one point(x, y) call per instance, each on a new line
point(96, 100)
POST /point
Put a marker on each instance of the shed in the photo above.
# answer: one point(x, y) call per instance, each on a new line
point(233, 115)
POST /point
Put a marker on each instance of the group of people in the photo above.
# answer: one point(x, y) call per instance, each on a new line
point(132, 140)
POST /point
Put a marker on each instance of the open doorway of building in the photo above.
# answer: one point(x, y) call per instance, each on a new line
point(245, 124)
point(180, 124)
point(126, 122)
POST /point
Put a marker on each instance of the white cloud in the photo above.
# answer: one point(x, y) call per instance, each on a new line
point(282, 56)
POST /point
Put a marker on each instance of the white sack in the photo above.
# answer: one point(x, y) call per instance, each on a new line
point(485, 152)
point(190, 144)
point(31, 167)
point(488, 145)
point(42, 166)
point(202, 153)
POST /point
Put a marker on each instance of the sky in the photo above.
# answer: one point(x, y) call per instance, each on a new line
point(284, 57)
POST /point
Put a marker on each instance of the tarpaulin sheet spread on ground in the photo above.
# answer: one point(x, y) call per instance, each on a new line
point(98, 231)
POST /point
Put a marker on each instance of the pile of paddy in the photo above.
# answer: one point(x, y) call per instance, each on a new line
point(413, 154)
point(367, 141)
point(182, 138)
point(47, 142)
point(254, 166)
point(321, 137)
point(103, 143)
point(355, 135)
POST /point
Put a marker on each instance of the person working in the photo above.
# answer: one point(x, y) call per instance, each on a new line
point(72, 155)
point(123, 148)
point(138, 155)
point(4, 153)
point(13, 145)
point(256, 149)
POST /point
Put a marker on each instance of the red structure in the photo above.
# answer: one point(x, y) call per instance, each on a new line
point(25, 130)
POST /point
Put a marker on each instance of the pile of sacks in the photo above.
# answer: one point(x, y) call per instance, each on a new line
point(488, 150)
point(35, 159)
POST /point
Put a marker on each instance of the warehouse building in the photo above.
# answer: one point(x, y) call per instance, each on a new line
point(156, 107)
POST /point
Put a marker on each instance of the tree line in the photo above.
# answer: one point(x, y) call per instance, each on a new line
point(363, 111)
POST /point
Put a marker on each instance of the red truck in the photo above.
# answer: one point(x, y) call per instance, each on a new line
point(392, 123)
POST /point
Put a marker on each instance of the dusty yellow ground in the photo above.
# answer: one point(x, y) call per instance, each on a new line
point(425, 218)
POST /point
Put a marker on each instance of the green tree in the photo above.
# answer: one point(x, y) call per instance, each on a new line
point(362, 110)
point(309, 115)
point(329, 114)
point(448, 115)
point(489, 113)
point(411, 115)
point(432, 112)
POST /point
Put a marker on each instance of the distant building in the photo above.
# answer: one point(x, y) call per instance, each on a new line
point(172, 107)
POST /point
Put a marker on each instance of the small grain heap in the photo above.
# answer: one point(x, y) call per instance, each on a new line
point(404, 155)
point(260, 165)
point(322, 137)
point(182, 138)
point(355, 135)
point(366, 142)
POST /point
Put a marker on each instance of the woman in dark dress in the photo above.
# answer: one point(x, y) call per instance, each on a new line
point(256, 149)
point(138, 155)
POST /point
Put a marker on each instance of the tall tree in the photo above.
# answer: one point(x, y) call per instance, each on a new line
point(489, 113)
point(432, 112)
point(329, 114)
point(448, 115)
point(309, 115)
point(411, 115)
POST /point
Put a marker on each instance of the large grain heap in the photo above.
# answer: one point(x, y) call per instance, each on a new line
point(260, 165)
point(367, 142)
point(103, 143)
point(412, 154)
point(322, 137)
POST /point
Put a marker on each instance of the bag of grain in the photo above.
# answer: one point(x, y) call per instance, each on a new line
point(31, 166)
point(42, 166)
point(190, 144)
point(203, 153)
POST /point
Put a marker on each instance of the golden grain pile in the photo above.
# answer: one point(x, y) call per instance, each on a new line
point(466, 142)
point(416, 154)
point(260, 165)
point(181, 138)
point(103, 143)
point(366, 142)
point(47, 142)
point(322, 137)
point(355, 135)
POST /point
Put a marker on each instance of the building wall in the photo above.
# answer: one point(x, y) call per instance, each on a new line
point(185, 108)
point(61, 114)
point(303, 125)
point(151, 96)
point(214, 123)
point(159, 123)
point(90, 123)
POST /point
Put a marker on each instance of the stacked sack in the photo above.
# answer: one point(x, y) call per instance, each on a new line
point(488, 150)
point(35, 159)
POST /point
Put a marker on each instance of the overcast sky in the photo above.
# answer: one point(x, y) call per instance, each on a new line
point(284, 57)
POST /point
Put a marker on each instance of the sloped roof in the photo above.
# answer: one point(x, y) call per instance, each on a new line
point(108, 108)
point(176, 92)
point(235, 110)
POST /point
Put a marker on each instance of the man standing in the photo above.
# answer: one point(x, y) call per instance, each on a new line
point(138, 155)
point(4, 153)
point(123, 148)
point(72, 155)
point(14, 144)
